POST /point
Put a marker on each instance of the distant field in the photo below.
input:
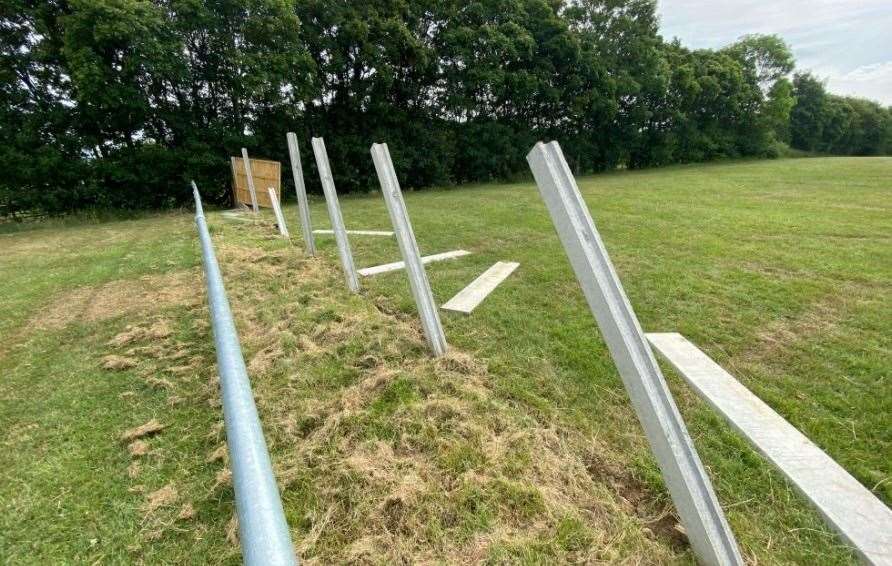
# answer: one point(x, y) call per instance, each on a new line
point(520, 446)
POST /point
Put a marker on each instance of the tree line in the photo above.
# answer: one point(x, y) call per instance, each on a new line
point(117, 103)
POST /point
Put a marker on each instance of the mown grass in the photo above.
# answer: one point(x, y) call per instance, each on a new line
point(779, 270)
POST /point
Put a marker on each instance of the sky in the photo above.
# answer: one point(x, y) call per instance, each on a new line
point(846, 42)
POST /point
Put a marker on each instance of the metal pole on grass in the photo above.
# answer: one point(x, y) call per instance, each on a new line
point(303, 208)
point(690, 486)
point(263, 530)
point(402, 227)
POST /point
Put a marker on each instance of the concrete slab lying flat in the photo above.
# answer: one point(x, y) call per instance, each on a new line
point(468, 298)
point(358, 232)
point(859, 516)
point(397, 265)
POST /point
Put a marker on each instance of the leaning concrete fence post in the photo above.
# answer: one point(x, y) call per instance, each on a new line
point(249, 174)
point(299, 188)
point(277, 210)
point(690, 487)
point(334, 213)
point(402, 227)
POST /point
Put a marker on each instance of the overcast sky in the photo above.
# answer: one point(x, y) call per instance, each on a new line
point(848, 42)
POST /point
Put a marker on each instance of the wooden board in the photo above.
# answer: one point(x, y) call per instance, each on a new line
point(856, 513)
point(468, 298)
point(266, 174)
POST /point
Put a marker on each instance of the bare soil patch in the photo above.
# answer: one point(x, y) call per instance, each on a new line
point(820, 317)
point(122, 297)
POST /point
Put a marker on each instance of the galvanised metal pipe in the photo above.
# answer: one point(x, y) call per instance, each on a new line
point(263, 530)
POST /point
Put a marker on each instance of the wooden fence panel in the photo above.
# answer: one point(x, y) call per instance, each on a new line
point(266, 174)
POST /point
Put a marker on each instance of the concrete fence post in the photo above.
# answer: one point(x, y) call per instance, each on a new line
point(277, 210)
point(250, 177)
point(402, 228)
point(690, 486)
point(263, 530)
point(334, 213)
point(303, 208)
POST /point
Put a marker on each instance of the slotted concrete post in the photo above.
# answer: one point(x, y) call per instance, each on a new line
point(334, 213)
point(402, 228)
point(277, 210)
point(303, 208)
point(690, 487)
point(250, 176)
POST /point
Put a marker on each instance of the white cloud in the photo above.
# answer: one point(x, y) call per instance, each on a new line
point(847, 42)
point(869, 81)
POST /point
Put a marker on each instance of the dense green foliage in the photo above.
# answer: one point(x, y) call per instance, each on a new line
point(117, 103)
point(835, 124)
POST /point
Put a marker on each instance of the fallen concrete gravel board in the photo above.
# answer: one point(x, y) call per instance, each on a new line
point(468, 298)
point(857, 514)
point(397, 265)
point(235, 216)
point(358, 232)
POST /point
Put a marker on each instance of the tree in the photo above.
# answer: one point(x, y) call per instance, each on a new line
point(118, 103)
point(768, 55)
point(834, 124)
point(778, 107)
point(809, 115)
point(40, 149)
point(626, 118)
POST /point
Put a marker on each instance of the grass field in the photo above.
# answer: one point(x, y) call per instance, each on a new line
point(519, 446)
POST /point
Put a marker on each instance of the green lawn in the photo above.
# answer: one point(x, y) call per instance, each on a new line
point(521, 446)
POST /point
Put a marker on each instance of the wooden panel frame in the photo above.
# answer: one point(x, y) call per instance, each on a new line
point(266, 174)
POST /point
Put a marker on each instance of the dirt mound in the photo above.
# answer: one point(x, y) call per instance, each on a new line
point(411, 459)
point(389, 455)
